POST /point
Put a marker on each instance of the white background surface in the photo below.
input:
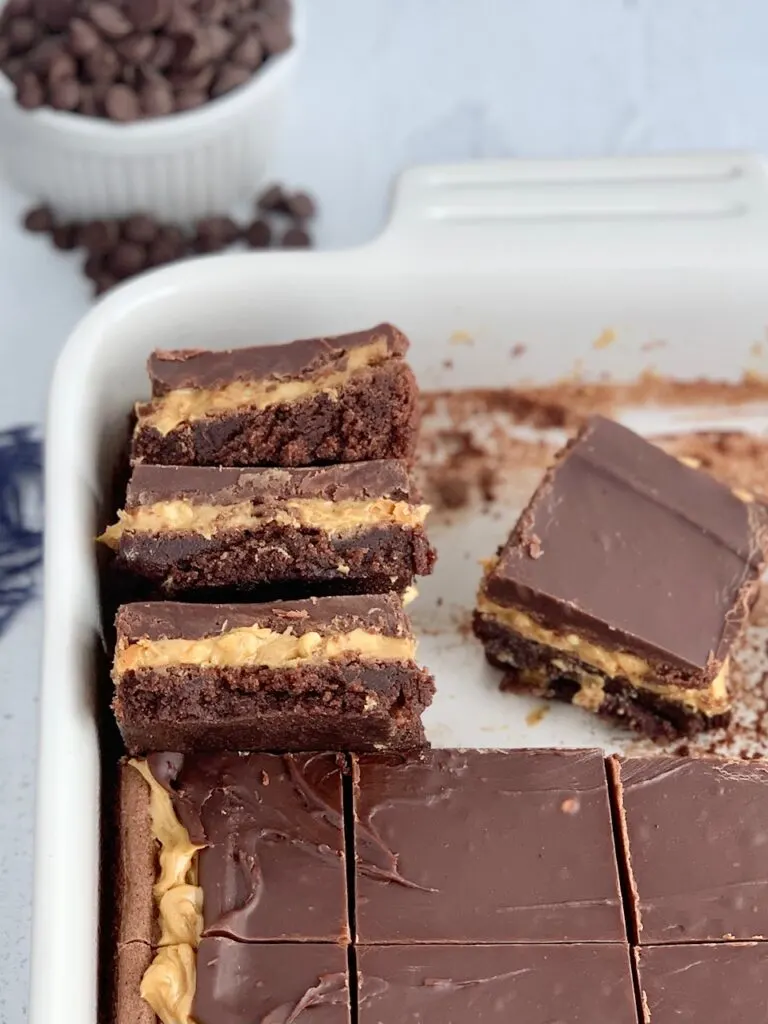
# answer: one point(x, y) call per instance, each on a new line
point(385, 84)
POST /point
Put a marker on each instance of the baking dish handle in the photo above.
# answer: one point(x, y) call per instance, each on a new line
point(704, 209)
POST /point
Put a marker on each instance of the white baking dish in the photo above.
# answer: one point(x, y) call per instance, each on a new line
point(476, 259)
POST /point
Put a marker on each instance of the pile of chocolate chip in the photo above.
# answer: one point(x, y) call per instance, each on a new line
point(118, 249)
point(132, 59)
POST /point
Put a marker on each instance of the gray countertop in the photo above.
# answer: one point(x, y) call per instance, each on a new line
point(386, 84)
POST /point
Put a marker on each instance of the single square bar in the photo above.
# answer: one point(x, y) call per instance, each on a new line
point(278, 983)
point(723, 983)
point(624, 585)
point(540, 984)
point(485, 846)
point(332, 673)
point(349, 398)
point(695, 835)
point(350, 528)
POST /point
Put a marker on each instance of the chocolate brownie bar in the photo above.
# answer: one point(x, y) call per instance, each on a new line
point(540, 984)
point(349, 398)
point(326, 673)
point(724, 983)
point(625, 584)
point(695, 833)
point(354, 528)
point(485, 846)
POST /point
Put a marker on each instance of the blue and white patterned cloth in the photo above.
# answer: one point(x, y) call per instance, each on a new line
point(21, 531)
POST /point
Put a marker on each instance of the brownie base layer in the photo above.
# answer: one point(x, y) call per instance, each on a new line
point(374, 416)
point(372, 561)
point(648, 713)
point(335, 706)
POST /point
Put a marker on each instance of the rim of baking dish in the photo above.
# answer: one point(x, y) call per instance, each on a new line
point(269, 77)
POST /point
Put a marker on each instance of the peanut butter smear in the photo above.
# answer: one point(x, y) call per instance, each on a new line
point(168, 984)
point(334, 517)
point(184, 405)
point(260, 646)
point(711, 700)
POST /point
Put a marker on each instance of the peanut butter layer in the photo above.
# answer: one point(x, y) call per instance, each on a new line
point(334, 517)
point(184, 405)
point(260, 646)
point(169, 982)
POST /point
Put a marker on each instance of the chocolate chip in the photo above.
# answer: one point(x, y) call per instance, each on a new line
point(103, 282)
point(272, 199)
point(163, 54)
point(258, 234)
point(15, 7)
point(53, 14)
point(156, 97)
point(39, 59)
point(39, 220)
point(83, 38)
point(192, 81)
point(295, 238)
point(181, 20)
point(122, 103)
point(65, 95)
point(166, 248)
point(218, 41)
point(230, 77)
point(14, 69)
point(21, 33)
point(93, 267)
point(127, 259)
point(109, 19)
point(29, 91)
point(140, 228)
point(215, 233)
point(61, 67)
point(300, 205)
point(276, 36)
point(146, 15)
point(65, 236)
point(99, 236)
point(103, 65)
point(212, 10)
point(190, 99)
point(249, 52)
point(136, 48)
point(89, 105)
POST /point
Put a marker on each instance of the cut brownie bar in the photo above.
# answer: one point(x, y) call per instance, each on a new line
point(695, 833)
point(325, 673)
point(354, 528)
point(723, 983)
point(349, 398)
point(580, 984)
point(485, 846)
point(625, 584)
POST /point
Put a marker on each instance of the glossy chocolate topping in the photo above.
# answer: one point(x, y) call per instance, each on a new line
point(279, 983)
point(697, 838)
point(273, 863)
point(534, 984)
point(626, 543)
point(724, 983)
point(157, 620)
point(478, 846)
point(200, 368)
point(211, 485)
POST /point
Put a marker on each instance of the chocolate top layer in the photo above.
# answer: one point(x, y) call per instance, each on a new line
point(158, 620)
point(242, 983)
point(200, 368)
point(724, 983)
point(485, 846)
point(272, 825)
point(580, 984)
point(210, 485)
point(642, 552)
point(697, 835)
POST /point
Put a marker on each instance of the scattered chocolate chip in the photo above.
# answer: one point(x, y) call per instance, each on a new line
point(65, 236)
point(127, 259)
point(122, 103)
point(99, 236)
point(141, 229)
point(93, 267)
point(300, 205)
point(103, 282)
point(83, 38)
point(271, 199)
point(258, 234)
point(296, 238)
point(65, 95)
point(109, 19)
point(39, 220)
point(215, 233)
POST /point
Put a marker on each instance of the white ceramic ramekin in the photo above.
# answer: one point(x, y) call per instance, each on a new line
point(178, 167)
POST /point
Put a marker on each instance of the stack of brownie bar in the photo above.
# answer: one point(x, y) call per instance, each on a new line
point(274, 481)
point(525, 886)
